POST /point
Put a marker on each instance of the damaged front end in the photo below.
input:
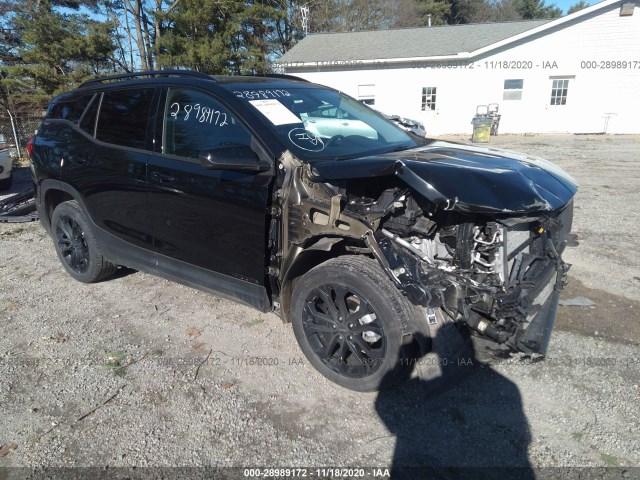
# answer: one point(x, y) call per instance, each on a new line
point(502, 277)
point(473, 233)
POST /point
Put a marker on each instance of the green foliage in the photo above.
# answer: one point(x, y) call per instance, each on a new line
point(439, 10)
point(50, 52)
point(577, 6)
point(610, 460)
point(533, 9)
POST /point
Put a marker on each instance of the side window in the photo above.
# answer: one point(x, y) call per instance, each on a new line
point(513, 89)
point(559, 89)
point(70, 109)
point(123, 117)
point(367, 94)
point(195, 123)
point(429, 98)
point(88, 120)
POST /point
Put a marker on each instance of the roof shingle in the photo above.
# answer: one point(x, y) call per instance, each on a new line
point(404, 43)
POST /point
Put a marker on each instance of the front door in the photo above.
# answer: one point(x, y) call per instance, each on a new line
point(212, 219)
point(560, 110)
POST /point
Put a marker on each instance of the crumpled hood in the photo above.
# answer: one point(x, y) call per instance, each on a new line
point(465, 178)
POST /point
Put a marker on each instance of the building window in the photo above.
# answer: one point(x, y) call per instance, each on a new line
point(366, 94)
point(559, 89)
point(513, 89)
point(428, 98)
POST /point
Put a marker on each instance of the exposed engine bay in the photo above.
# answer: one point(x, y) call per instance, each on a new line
point(500, 273)
point(500, 276)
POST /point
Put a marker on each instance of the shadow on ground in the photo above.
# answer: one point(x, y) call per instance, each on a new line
point(466, 423)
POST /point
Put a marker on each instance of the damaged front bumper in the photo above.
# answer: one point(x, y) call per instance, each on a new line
point(540, 304)
point(519, 313)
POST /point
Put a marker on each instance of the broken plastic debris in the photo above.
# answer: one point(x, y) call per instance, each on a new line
point(577, 302)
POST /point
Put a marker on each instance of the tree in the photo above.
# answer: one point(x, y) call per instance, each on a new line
point(534, 9)
point(44, 51)
point(202, 35)
point(351, 15)
point(577, 6)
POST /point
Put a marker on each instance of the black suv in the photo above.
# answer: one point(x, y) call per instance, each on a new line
point(379, 246)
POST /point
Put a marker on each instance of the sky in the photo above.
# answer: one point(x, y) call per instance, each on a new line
point(565, 4)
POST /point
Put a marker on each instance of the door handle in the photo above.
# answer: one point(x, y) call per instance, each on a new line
point(162, 177)
point(345, 124)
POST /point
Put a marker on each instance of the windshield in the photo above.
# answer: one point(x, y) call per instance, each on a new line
point(319, 124)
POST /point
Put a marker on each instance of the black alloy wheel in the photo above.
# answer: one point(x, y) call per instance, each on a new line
point(350, 320)
point(76, 244)
point(344, 331)
point(72, 244)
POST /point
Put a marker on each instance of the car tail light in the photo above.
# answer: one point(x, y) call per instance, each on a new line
point(30, 145)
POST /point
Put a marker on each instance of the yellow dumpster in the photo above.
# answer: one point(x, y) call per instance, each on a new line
point(481, 129)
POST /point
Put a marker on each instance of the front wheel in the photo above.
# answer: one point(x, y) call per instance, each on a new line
point(76, 246)
point(348, 320)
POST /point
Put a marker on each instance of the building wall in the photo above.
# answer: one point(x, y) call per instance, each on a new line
point(580, 51)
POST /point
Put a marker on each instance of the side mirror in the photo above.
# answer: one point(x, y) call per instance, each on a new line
point(232, 157)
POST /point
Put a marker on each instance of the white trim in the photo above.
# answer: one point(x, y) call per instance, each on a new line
point(546, 26)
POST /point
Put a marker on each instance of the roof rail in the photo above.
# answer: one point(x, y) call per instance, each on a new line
point(149, 73)
point(279, 75)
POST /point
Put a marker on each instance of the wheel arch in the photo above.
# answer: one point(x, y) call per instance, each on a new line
point(316, 251)
point(52, 194)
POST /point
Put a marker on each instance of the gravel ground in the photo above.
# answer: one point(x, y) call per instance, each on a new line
point(138, 371)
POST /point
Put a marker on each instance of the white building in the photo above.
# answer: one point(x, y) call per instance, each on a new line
point(578, 74)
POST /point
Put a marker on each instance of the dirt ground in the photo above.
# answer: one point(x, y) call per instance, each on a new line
point(139, 371)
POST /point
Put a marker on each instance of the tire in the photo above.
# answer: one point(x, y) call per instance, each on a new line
point(5, 184)
point(328, 306)
point(76, 245)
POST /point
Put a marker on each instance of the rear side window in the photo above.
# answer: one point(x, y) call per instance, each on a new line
point(195, 123)
point(123, 117)
point(70, 109)
point(88, 120)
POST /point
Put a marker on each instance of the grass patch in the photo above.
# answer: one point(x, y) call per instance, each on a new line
point(252, 323)
point(577, 436)
point(118, 362)
point(610, 460)
point(15, 231)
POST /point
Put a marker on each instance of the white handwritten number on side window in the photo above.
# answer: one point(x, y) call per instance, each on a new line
point(199, 113)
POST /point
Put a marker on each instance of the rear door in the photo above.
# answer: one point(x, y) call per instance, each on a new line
point(108, 165)
point(213, 220)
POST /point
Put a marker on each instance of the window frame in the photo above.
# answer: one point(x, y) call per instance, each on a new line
point(97, 99)
point(559, 93)
point(70, 99)
point(512, 90)
point(429, 99)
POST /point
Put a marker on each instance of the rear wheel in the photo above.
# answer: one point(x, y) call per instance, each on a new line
point(348, 320)
point(76, 245)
